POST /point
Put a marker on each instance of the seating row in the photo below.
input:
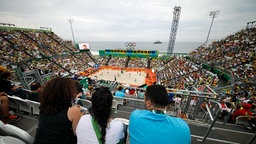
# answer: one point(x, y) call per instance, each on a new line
point(16, 135)
point(87, 104)
point(32, 107)
point(24, 105)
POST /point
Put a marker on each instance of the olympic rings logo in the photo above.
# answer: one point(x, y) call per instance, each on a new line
point(130, 44)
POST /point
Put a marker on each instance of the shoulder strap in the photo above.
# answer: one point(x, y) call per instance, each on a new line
point(96, 129)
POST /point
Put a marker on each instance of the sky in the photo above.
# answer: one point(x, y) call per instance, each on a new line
point(130, 20)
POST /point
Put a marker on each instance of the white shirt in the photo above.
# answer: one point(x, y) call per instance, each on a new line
point(86, 134)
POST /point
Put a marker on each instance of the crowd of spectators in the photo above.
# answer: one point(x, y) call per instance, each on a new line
point(181, 73)
point(178, 70)
point(9, 52)
point(138, 62)
point(117, 61)
point(235, 53)
point(36, 49)
point(43, 50)
point(102, 60)
point(47, 42)
point(122, 61)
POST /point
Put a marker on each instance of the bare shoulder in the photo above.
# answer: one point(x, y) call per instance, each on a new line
point(74, 114)
point(74, 109)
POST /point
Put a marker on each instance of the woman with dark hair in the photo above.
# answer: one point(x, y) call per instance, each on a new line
point(98, 127)
point(58, 118)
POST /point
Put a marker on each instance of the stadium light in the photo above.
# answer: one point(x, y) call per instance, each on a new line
point(213, 14)
point(70, 22)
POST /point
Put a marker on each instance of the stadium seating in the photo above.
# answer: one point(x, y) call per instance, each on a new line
point(236, 54)
point(242, 120)
point(34, 107)
point(123, 120)
point(86, 103)
point(13, 103)
point(10, 140)
point(11, 130)
point(114, 104)
point(20, 104)
point(120, 101)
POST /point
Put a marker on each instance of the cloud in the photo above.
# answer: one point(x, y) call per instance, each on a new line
point(137, 20)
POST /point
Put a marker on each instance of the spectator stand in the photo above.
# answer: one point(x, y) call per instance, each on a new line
point(41, 49)
point(233, 56)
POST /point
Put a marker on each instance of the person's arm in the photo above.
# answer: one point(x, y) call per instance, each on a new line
point(74, 115)
point(15, 87)
point(3, 94)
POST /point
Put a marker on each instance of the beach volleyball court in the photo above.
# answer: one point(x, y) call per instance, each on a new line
point(127, 76)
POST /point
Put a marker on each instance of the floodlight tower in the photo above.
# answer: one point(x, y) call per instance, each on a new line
point(174, 28)
point(70, 22)
point(213, 14)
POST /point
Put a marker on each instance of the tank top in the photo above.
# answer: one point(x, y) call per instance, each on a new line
point(55, 129)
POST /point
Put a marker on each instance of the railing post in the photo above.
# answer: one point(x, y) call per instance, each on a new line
point(252, 139)
point(213, 122)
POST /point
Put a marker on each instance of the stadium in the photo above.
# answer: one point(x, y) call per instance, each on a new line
point(195, 78)
point(206, 86)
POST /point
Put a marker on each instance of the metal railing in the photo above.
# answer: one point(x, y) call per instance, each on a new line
point(28, 77)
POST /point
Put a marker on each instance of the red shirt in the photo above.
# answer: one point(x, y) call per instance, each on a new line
point(241, 112)
point(132, 91)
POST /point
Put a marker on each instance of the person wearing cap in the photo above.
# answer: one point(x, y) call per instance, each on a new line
point(153, 125)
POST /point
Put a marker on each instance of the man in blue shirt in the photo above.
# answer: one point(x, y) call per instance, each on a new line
point(153, 126)
point(119, 92)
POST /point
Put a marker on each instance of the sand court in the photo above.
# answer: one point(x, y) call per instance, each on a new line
point(130, 77)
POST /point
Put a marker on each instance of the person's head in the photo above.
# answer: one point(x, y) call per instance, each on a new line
point(5, 75)
point(85, 46)
point(2, 69)
point(120, 88)
point(57, 94)
point(156, 97)
point(101, 108)
point(35, 87)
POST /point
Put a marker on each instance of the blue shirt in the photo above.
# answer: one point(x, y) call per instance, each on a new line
point(170, 96)
point(119, 94)
point(146, 127)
